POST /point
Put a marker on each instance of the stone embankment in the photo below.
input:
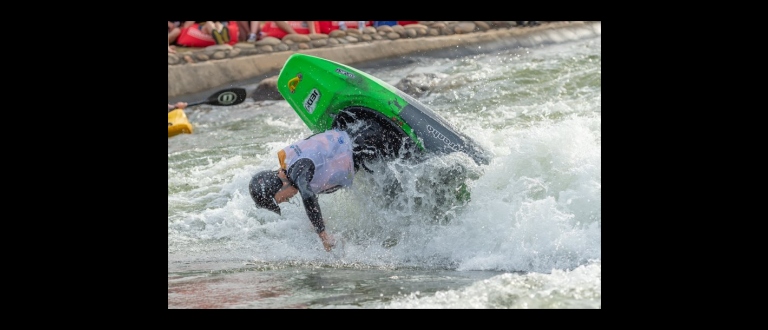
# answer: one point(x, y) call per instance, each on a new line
point(216, 66)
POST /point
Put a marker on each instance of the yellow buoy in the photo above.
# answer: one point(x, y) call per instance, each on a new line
point(178, 123)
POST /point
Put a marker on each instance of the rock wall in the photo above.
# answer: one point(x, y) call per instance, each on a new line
point(220, 65)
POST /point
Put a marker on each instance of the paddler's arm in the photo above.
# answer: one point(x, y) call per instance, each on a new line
point(301, 173)
point(178, 105)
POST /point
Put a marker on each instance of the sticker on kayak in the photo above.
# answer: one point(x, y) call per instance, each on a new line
point(227, 98)
point(348, 74)
point(437, 135)
point(294, 82)
point(311, 101)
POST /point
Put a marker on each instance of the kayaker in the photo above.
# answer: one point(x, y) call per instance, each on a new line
point(321, 164)
point(178, 105)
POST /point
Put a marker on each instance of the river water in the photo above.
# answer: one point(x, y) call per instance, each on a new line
point(529, 238)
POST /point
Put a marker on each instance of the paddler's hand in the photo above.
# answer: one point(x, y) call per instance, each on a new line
point(178, 105)
point(328, 241)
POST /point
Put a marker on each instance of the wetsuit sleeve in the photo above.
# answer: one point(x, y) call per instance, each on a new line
point(301, 173)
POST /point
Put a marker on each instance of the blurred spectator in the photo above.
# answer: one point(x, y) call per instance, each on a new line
point(208, 33)
point(387, 23)
point(285, 26)
point(279, 29)
point(393, 23)
point(249, 31)
point(326, 27)
point(527, 23)
point(173, 33)
point(218, 30)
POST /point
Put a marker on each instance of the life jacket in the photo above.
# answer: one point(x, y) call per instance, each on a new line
point(331, 152)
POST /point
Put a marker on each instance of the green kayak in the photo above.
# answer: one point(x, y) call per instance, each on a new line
point(327, 94)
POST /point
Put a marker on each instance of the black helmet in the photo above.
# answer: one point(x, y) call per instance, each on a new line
point(264, 185)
